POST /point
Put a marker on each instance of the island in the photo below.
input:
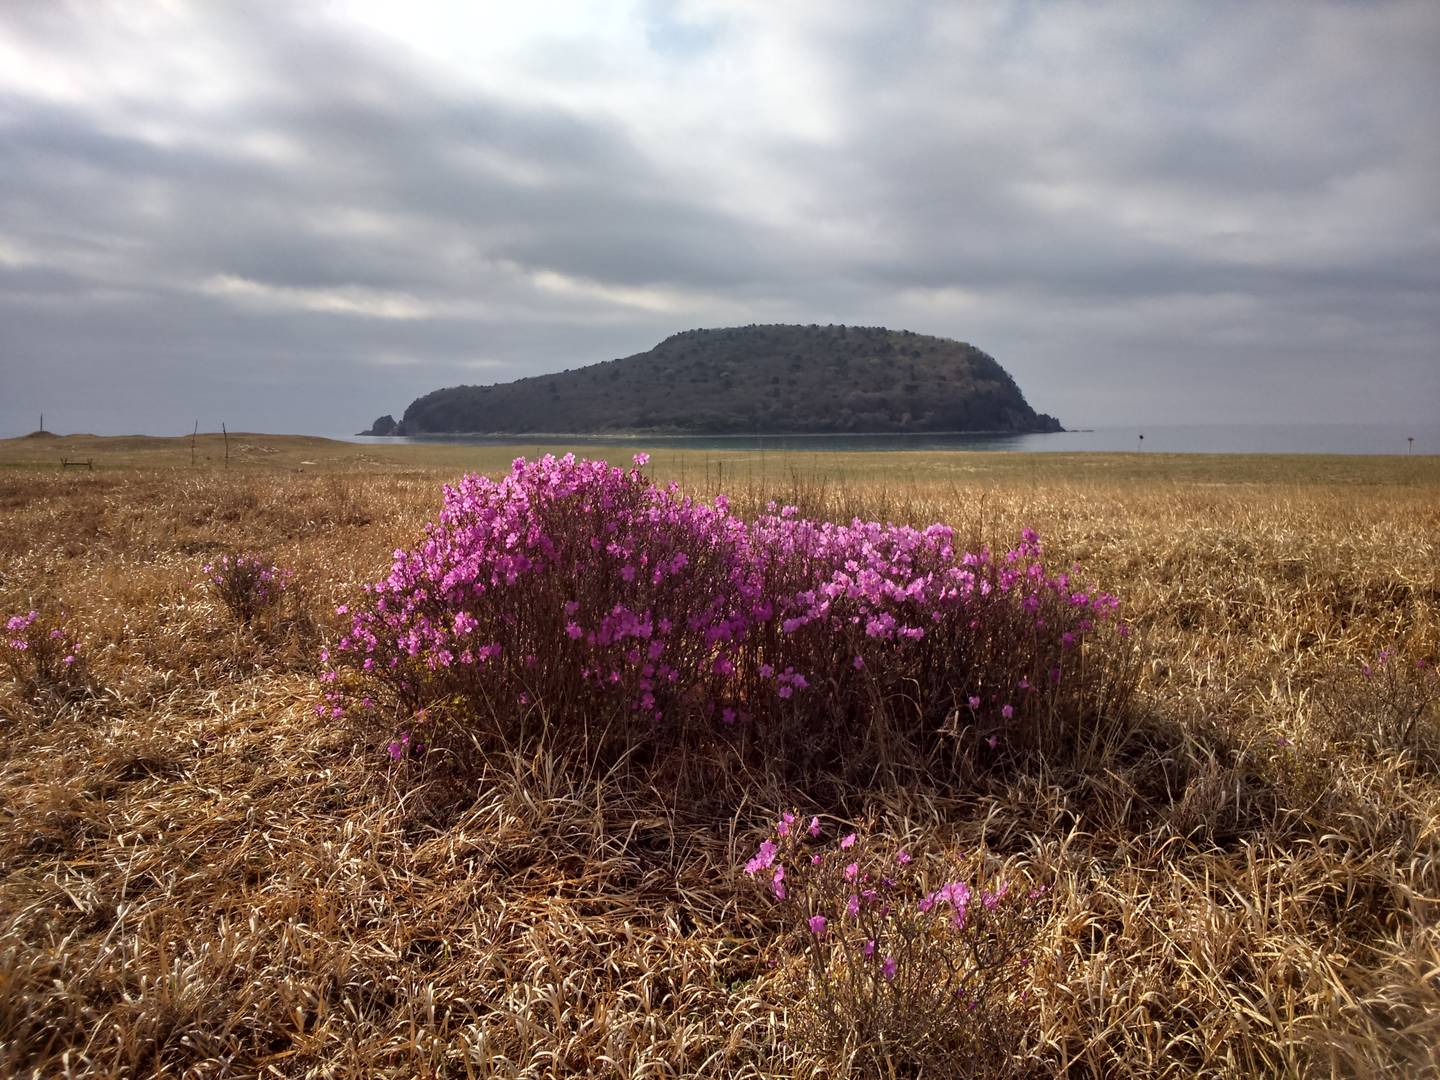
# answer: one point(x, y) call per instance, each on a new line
point(770, 380)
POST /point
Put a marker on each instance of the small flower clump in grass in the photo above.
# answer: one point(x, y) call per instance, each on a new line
point(246, 583)
point(590, 594)
point(44, 655)
point(909, 963)
point(1385, 705)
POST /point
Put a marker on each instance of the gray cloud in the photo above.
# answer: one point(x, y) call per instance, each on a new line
point(296, 221)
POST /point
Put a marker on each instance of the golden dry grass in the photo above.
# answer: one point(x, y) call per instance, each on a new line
point(199, 878)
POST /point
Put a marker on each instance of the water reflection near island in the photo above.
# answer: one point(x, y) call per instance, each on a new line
point(1174, 439)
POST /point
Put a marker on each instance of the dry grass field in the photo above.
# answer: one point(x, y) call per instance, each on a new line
point(200, 878)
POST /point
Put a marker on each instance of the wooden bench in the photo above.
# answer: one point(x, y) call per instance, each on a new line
point(67, 463)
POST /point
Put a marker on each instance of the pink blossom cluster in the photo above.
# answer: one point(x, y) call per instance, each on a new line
point(21, 637)
point(41, 651)
point(246, 583)
point(16, 626)
point(587, 589)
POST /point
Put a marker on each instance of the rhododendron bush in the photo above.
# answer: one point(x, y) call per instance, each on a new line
point(247, 584)
point(587, 597)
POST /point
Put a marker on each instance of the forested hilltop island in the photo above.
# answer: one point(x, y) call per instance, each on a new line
point(748, 380)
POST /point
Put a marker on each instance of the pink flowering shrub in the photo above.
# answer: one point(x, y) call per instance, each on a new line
point(584, 596)
point(902, 628)
point(247, 584)
point(909, 963)
point(43, 655)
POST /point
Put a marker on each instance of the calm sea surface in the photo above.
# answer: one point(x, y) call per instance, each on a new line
point(1197, 439)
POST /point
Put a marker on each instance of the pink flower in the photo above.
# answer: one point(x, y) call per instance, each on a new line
point(786, 820)
point(847, 841)
point(888, 968)
point(852, 871)
point(641, 459)
point(903, 858)
point(777, 883)
point(814, 826)
point(817, 925)
point(869, 949)
point(763, 859)
point(992, 899)
point(956, 894)
point(1008, 712)
point(852, 906)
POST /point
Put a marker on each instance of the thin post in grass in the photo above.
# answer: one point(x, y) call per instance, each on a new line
point(193, 433)
point(1411, 440)
point(1141, 444)
point(226, 435)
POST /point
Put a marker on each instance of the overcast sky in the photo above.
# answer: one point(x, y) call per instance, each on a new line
point(296, 217)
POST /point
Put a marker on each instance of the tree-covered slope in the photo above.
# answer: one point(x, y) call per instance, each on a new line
point(752, 379)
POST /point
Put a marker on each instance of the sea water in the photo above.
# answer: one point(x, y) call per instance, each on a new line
point(1156, 439)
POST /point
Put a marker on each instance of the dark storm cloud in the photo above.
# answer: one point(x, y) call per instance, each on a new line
point(292, 220)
